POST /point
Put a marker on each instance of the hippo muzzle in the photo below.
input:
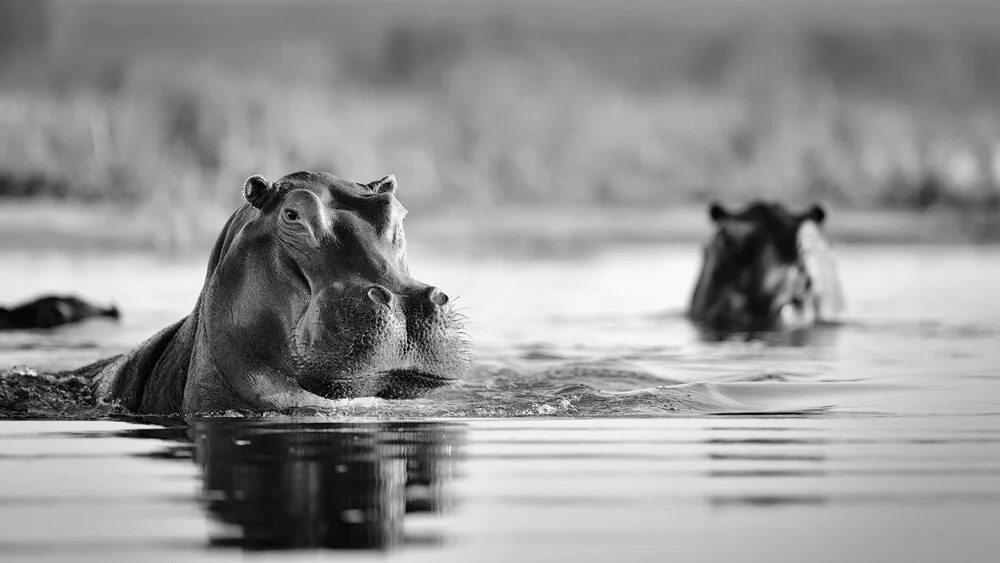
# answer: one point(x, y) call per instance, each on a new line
point(370, 341)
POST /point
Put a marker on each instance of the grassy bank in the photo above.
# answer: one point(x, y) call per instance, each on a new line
point(489, 105)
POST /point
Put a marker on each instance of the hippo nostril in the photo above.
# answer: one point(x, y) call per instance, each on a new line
point(438, 297)
point(380, 295)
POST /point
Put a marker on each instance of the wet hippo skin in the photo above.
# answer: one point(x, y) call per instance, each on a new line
point(307, 299)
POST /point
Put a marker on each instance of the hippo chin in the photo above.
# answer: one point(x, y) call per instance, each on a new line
point(307, 299)
point(766, 269)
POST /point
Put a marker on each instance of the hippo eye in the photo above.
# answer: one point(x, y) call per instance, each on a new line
point(291, 214)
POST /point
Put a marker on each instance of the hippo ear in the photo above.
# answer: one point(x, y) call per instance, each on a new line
point(385, 185)
point(717, 212)
point(816, 213)
point(257, 190)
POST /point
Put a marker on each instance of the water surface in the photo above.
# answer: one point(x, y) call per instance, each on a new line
point(875, 440)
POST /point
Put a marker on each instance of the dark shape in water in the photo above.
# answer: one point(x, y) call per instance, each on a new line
point(284, 486)
point(766, 269)
point(52, 311)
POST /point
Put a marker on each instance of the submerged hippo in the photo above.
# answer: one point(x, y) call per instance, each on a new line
point(766, 269)
point(307, 299)
point(52, 311)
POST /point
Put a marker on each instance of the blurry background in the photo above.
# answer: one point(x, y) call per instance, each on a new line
point(613, 118)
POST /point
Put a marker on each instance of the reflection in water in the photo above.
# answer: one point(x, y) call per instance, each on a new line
point(767, 501)
point(767, 465)
point(312, 485)
point(821, 335)
point(308, 485)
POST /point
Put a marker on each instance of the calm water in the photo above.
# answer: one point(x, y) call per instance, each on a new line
point(876, 440)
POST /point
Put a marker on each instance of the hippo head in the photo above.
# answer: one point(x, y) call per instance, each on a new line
point(313, 282)
point(755, 276)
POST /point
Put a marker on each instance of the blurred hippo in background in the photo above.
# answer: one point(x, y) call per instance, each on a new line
point(766, 269)
point(307, 299)
point(52, 311)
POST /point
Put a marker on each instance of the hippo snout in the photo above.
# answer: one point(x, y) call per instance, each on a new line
point(425, 301)
point(372, 341)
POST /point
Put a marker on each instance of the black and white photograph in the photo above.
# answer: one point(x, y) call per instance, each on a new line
point(512, 281)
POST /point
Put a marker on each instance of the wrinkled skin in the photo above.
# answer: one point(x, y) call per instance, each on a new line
point(766, 269)
point(307, 299)
point(52, 311)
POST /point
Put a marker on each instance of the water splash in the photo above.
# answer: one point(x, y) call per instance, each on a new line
point(604, 388)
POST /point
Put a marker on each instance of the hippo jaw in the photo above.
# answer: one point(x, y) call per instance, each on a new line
point(391, 384)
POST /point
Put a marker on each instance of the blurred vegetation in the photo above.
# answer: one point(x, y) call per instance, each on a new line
point(171, 104)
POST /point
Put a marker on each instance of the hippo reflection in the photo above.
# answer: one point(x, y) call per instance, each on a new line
point(277, 486)
point(318, 485)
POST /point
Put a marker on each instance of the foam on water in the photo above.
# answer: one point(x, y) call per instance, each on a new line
point(577, 389)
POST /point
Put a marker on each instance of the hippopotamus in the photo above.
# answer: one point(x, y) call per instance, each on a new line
point(52, 311)
point(766, 269)
point(307, 299)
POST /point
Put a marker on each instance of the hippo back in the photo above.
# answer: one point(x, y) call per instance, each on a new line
point(151, 378)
